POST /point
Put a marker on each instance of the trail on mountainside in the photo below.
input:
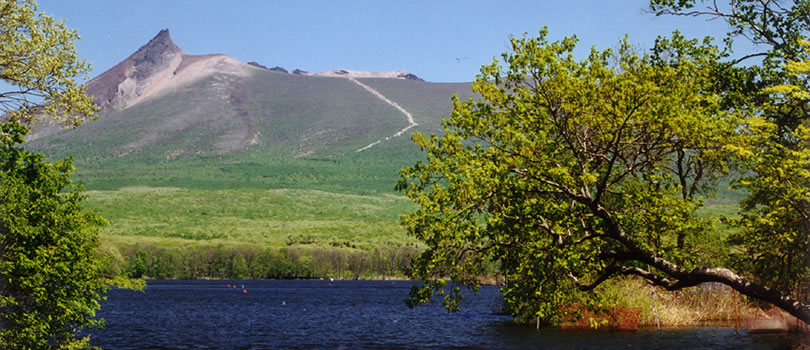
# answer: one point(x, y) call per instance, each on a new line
point(411, 122)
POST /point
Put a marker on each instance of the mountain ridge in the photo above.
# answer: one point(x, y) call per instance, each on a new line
point(164, 107)
point(161, 65)
point(157, 66)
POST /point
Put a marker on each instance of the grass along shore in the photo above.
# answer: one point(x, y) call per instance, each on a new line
point(695, 306)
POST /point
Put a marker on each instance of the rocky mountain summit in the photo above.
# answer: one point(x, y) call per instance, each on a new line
point(156, 67)
point(161, 66)
point(116, 87)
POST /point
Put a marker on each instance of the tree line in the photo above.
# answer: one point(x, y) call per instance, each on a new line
point(251, 262)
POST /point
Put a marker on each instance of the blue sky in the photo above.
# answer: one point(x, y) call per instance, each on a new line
point(440, 41)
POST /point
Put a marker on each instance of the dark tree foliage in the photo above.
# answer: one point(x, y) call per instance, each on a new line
point(50, 280)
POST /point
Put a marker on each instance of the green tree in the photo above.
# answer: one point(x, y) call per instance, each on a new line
point(139, 267)
point(572, 172)
point(164, 265)
point(239, 268)
point(773, 243)
point(218, 264)
point(776, 26)
point(38, 61)
point(50, 280)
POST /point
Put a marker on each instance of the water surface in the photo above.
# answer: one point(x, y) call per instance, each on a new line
point(359, 315)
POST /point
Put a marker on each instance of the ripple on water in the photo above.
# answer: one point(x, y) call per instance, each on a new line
point(357, 314)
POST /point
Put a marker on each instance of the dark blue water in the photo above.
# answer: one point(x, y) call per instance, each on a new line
point(358, 315)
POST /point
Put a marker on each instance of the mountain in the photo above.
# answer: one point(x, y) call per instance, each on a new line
point(160, 67)
point(167, 116)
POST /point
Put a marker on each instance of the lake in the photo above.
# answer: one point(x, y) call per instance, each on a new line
point(359, 315)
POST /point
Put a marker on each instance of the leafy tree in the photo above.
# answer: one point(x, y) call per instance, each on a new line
point(139, 267)
point(38, 62)
point(164, 265)
point(219, 262)
point(239, 268)
point(774, 240)
point(777, 28)
point(773, 244)
point(50, 280)
point(572, 172)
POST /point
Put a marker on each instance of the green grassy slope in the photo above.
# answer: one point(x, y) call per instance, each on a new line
point(375, 172)
point(274, 218)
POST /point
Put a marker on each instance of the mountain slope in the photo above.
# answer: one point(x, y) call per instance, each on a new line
point(156, 68)
point(162, 108)
point(224, 113)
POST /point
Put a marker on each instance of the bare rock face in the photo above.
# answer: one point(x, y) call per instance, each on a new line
point(154, 56)
point(166, 104)
point(409, 76)
point(274, 69)
point(257, 64)
point(120, 85)
point(155, 68)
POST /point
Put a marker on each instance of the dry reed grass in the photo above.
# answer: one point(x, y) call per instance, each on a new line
point(707, 303)
point(623, 318)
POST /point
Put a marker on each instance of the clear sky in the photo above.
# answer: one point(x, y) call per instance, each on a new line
point(440, 41)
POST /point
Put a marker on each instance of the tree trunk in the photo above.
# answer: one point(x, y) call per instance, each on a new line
point(731, 279)
point(682, 278)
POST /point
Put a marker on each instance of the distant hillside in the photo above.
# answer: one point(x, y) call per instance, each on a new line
point(162, 108)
